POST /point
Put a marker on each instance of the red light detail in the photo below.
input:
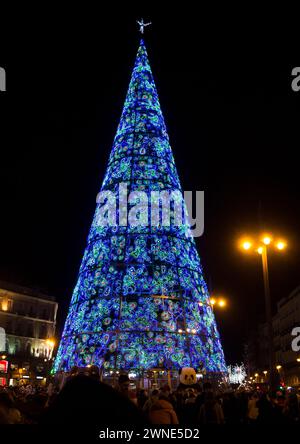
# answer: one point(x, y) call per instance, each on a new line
point(3, 366)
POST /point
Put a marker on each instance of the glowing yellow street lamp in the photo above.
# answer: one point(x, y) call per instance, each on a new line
point(278, 367)
point(281, 245)
point(267, 240)
point(217, 301)
point(261, 246)
point(246, 245)
point(298, 359)
point(265, 372)
point(263, 241)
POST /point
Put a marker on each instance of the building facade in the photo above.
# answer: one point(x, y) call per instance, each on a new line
point(285, 320)
point(27, 329)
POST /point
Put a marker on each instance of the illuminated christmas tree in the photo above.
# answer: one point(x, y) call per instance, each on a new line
point(140, 301)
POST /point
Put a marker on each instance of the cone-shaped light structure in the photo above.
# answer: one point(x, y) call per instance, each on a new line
point(141, 301)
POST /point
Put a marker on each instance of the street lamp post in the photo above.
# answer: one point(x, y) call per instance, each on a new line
point(262, 249)
point(264, 257)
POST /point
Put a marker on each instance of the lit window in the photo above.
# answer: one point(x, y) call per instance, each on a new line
point(5, 304)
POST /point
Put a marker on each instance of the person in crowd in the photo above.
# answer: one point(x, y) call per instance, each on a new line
point(292, 409)
point(141, 398)
point(270, 412)
point(189, 412)
point(162, 412)
point(253, 410)
point(94, 372)
point(230, 408)
point(63, 377)
point(207, 388)
point(51, 390)
point(165, 390)
point(265, 410)
point(168, 394)
point(124, 388)
point(242, 407)
point(210, 411)
point(277, 404)
point(9, 414)
point(123, 384)
point(281, 400)
point(85, 400)
point(33, 407)
point(153, 398)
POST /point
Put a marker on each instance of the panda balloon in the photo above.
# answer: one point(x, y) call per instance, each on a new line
point(188, 379)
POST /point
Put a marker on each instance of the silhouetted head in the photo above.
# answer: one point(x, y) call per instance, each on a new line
point(124, 383)
point(94, 372)
point(74, 371)
point(207, 386)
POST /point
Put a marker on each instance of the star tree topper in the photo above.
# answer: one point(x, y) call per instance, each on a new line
point(142, 25)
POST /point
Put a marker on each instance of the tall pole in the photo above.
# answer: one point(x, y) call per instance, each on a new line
point(264, 257)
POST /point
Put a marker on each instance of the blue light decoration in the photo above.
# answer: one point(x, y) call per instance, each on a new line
point(141, 301)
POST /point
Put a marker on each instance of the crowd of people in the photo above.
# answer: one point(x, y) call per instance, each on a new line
point(84, 398)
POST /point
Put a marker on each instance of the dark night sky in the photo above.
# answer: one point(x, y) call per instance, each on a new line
point(233, 123)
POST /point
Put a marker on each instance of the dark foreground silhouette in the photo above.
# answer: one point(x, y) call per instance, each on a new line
point(84, 400)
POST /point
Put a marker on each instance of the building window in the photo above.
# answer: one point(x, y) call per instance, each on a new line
point(43, 331)
point(44, 314)
point(5, 303)
point(31, 311)
point(30, 331)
